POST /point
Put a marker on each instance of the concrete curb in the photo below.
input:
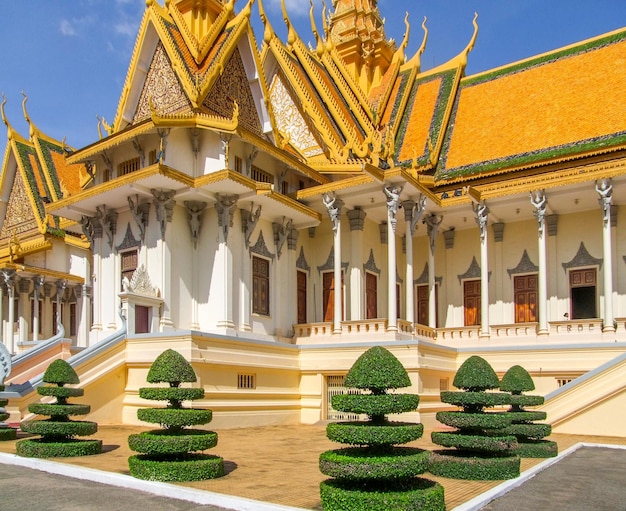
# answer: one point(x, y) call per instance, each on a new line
point(171, 491)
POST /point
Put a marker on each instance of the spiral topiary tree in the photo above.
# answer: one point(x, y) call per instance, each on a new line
point(170, 453)
point(483, 450)
point(373, 474)
point(58, 433)
point(530, 436)
point(6, 432)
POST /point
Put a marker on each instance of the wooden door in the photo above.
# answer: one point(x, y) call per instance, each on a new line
point(328, 296)
point(471, 302)
point(371, 296)
point(302, 316)
point(142, 319)
point(525, 287)
point(583, 293)
point(423, 305)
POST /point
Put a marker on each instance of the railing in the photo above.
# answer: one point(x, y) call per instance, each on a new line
point(576, 326)
point(364, 326)
point(514, 330)
point(462, 332)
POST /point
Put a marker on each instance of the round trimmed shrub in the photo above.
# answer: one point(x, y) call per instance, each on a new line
point(162, 441)
point(187, 467)
point(472, 466)
point(406, 495)
point(6, 432)
point(69, 448)
point(169, 454)
point(528, 433)
point(377, 476)
point(58, 432)
point(482, 448)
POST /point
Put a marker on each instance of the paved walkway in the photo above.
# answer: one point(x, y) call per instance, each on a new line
point(268, 468)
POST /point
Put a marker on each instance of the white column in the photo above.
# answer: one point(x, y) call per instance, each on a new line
point(604, 187)
point(2, 321)
point(37, 282)
point(357, 292)
point(164, 204)
point(60, 285)
point(23, 309)
point(10, 343)
point(392, 194)
point(249, 220)
point(538, 200)
point(85, 309)
point(333, 205)
point(482, 211)
point(223, 284)
point(432, 222)
point(412, 213)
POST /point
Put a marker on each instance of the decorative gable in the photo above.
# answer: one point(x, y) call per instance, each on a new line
point(233, 85)
point(162, 88)
point(19, 216)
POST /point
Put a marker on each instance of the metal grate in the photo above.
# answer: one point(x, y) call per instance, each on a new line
point(334, 387)
point(246, 381)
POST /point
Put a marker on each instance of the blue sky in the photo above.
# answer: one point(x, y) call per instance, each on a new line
point(71, 56)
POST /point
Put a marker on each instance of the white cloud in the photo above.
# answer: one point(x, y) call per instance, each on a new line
point(67, 28)
point(126, 27)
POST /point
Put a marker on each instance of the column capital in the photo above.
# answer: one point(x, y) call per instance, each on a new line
point(333, 205)
point(539, 202)
point(482, 213)
point(392, 192)
point(357, 218)
point(432, 223)
point(604, 187)
point(413, 211)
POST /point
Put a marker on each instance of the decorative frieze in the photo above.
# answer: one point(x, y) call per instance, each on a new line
point(581, 259)
point(423, 278)
point(129, 240)
point(249, 219)
point(260, 248)
point(301, 262)
point(473, 272)
point(357, 218)
point(330, 263)
point(225, 206)
point(194, 217)
point(525, 265)
point(370, 265)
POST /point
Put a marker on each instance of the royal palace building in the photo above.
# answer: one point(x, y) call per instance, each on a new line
point(271, 209)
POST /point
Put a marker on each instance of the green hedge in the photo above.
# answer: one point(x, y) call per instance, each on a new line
point(163, 442)
point(175, 417)
point(464, 420)
point(61, 373)
point(537, 449)
point(7, 434)
point(190, 467)
point(517, 380)
point(375, 434)
point(526, 416)
point(377, 369)
point(40, 448)
point(472, 442)
point(171, 393)
point(171, 367)
point(527, 400)
point(475, 375)
point(474, 399)
point(526, 430)
point(457, 465)
point(4, 402)
point(59, 428)
point(60, 392)
point(371, 404)
point(4, 416)
point(416, 493)
point(363, 463)
point(58, 410)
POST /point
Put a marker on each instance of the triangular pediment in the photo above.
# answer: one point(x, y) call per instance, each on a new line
point(161, 88)
point(233, 85)
point(290, 122)
point(19, 217)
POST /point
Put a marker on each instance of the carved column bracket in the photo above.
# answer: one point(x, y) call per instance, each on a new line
point(164, 204)
point(225, 206)
point(194, 216)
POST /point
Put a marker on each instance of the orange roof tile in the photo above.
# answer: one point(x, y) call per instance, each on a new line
point(545, 104)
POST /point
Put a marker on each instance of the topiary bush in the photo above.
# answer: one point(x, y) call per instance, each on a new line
point(483, 449)
point(530, 435)
point(170, 453)
point(6, 432)
point(373, 474)
point(57, 434)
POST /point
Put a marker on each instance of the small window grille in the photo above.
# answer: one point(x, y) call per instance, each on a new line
point(335, 386)
point(444, 384)
point(238, 164)
point(563, 381)
point(260, 175)
point(246, 381)
point(128, 166)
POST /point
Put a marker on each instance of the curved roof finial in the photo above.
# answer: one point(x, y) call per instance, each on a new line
point(470, 45)
point(329, 40)
point(423, 45)
point(318, 39)
point(31, 131)
point(291, 33)
point(268, 31)
point(399, 54)
point(4, 117)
